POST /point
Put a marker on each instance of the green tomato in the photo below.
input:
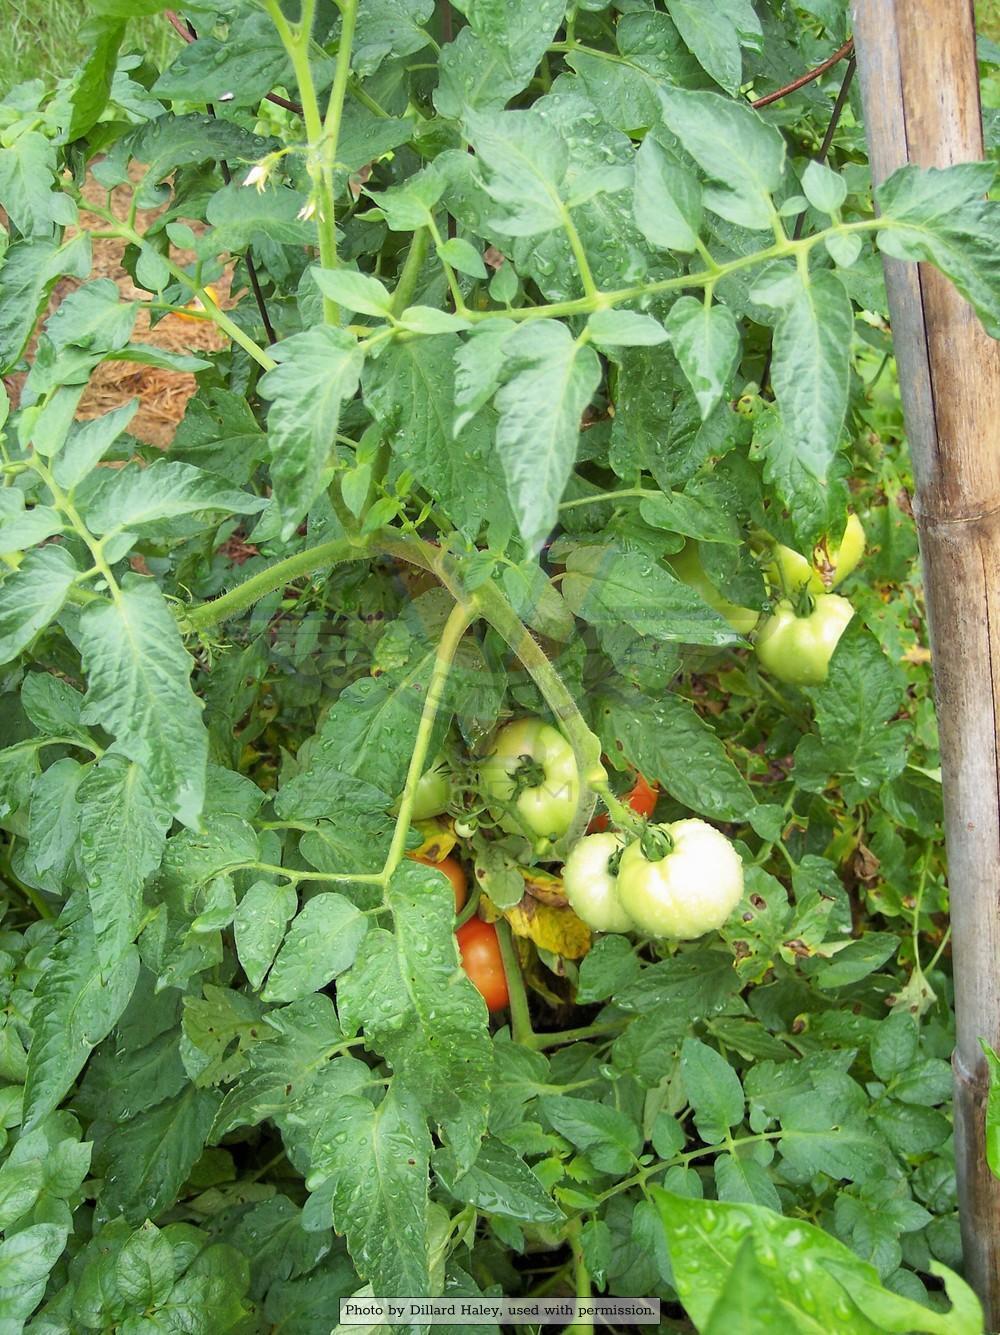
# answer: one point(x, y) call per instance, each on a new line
point(798, 649)
point(689, 569)
point(790, 571)
point(433, 792)
point(531, 769)
point(691, 890)
point(592, 888)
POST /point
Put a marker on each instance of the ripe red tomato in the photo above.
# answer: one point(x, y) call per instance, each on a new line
point(641, 798)
point(482, 961)
point(455, 873)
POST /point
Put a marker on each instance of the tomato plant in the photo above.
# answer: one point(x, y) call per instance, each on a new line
point(523, 334)
point(482, 961)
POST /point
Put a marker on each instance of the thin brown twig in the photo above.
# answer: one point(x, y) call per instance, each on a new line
point(808, 77)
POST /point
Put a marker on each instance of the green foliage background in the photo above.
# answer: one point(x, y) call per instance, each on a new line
point(242, 1073)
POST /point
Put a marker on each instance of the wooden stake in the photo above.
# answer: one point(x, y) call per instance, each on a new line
point(920, 85)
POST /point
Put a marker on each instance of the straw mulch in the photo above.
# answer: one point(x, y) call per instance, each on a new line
point(163, 394)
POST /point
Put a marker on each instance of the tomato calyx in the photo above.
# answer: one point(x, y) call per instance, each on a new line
point(528, 774)
point(656, 843)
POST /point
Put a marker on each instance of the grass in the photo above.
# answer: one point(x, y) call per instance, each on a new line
point(42, 39)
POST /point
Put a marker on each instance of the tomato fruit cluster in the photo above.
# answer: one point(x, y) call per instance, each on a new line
point(796, 642)
point(680, 881)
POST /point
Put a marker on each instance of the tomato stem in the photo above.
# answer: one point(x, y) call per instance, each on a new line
point(520, 1017)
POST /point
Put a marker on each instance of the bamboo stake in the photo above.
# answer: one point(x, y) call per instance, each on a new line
point(919, 81)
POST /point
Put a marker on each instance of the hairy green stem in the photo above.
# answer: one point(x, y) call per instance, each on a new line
point(520, 1017)
point(459, 620)
point(276, 576)
point(411, 272)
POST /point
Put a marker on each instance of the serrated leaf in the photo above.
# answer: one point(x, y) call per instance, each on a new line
point(100, 37)
point(130, 498)
point(377, 1161)
point(463, 256)
point(149, 1158)
point(26, 1258)
point(734, 147)
point(27, 175)
point(710, 35)
point(499, 1183)
point(144, 1271)
point(322, 942)
point(706, 343)
point(609, 586)
point(317, 375)
point(419, 1011)
point(138, 689)
point(522, 160)
point(240, 70)
point(550, 383)
point(609, 1138)
point(811, 366)
point(124, 834)
point(77, 1002)
point(284, 1067)
point(713, 1090)
point(31, 596)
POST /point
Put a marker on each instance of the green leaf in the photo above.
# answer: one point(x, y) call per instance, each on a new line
point(992, 1110)
point(77, 1002)
point(389, 28)
point(550, 381)
point(20, 527)
point(609, 1138)
point(138, 689)
point(317, 375)
point(100, 37)
point(31, 596)
point(25, 1261)
point(811, 366)
point(711, 36)
point(522, 163)
point(824, 188)
point(608, 328)
point(241, 217)
point(27, 175)
point(89, 442)
point(498, 1183)
point(626, 84)
point(734, 147)
point(713, 1090)
point(377, 1160)
point(410, 390)
point(259, 926)
point(739, 1178)
point(124, 835)
point(357, 291)
point(149, 1158)
point(940, 215)
point(706, 342)
point(672, 746)
point(610, 964)
point(53, 705)
point(463, 256)
point(284, 1067)
point(132, 497)
point(169, 142)
point(240, 70)
point(53, 822)
point(609, 586)
point(894, 1046)
point(29, 272)
point(667, 199)
point(420, 1012)
point(144, 1271)
point(322, 942)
